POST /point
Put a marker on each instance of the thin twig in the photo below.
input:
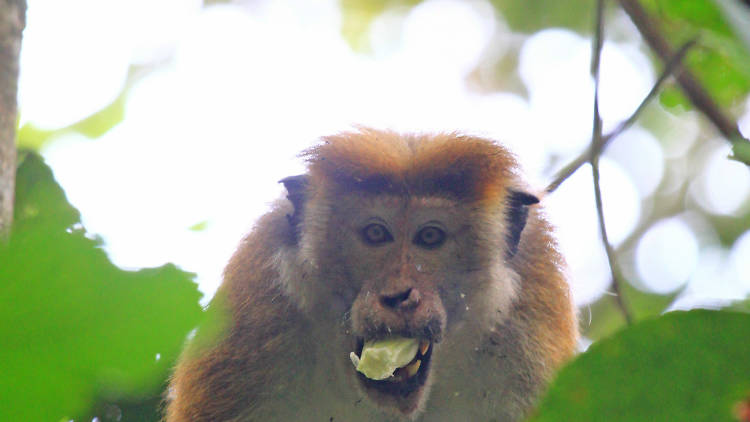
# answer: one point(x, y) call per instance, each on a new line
point(585, 156)
point(597, 145)
point(568, 170)
point(596, 55)
point(692, 88)
point(614, 266)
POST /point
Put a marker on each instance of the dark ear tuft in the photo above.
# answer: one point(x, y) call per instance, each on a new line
point(517, 210)
point(296, 187)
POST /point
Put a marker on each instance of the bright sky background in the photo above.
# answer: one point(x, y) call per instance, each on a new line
point(244, 88)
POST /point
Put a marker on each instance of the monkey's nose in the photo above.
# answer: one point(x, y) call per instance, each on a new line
point(405, 299)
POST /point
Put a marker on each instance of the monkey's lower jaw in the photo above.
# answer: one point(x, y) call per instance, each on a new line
point(403, 391)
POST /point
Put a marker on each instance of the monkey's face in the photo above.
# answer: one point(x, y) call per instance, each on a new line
point(403, 268)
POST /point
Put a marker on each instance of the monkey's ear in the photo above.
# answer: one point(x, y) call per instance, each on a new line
point(517, 210)
point(296, 188)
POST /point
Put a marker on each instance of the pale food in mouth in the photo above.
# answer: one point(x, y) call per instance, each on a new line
point(380, 359)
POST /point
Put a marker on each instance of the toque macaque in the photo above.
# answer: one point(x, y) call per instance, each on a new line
point(403, 277)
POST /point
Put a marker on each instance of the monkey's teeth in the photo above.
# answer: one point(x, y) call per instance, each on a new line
point(423, 346)
point(405, 372)
point(412, 369)
point(355, 359)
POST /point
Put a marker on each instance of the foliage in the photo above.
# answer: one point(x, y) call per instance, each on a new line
point(722, 62)
point(684, 366)
point(74, 325)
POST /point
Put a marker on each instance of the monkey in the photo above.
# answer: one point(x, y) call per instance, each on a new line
point(430, 240)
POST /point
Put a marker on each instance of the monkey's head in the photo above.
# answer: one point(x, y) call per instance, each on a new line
point(404, 237)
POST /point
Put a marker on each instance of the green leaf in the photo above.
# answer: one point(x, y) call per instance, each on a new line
point(75, 326)
point(683, 366)
point(103, 120)
point(31, 137)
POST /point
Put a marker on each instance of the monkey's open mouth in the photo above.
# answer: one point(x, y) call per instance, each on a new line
point(405, 383)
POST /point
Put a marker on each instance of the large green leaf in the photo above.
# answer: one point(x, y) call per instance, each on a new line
point(683, 366)
point(75, 326)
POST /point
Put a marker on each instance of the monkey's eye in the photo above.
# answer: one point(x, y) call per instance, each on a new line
point(376, 234)
point(430, 237)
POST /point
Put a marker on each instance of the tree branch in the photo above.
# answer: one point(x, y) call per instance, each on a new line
point(12, 22)
point(585, 156)
point(597, 145)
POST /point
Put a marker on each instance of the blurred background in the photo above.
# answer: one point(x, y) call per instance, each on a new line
point(168, 124)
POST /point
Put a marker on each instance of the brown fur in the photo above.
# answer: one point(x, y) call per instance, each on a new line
point(467, 168)
point(291, 306)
